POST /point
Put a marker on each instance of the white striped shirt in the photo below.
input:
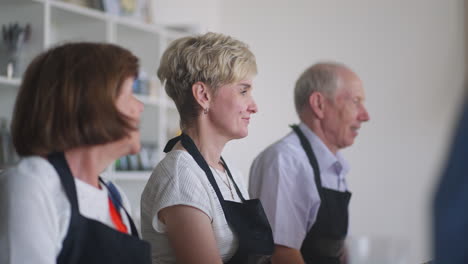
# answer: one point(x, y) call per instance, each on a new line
point(178, 180)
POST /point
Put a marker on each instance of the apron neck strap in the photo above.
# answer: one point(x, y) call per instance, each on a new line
point(58, 161)
point(171, 143)
point(311, 155)
point(115, 196)
point(192, 149)
point(232, 179)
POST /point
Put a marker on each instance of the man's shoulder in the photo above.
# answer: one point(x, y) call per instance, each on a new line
point(286, 150)
point(289, 144)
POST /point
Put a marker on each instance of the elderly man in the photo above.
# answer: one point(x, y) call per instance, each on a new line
point(301, 178)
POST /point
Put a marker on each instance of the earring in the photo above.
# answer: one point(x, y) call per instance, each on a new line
point(205, 111)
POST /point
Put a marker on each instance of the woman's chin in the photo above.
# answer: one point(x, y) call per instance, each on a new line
point(241, 135)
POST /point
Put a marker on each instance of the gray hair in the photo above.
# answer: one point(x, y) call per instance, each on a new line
point(321, 77)
point(214, 59)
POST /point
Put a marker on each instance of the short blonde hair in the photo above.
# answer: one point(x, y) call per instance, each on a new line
point(214, 59)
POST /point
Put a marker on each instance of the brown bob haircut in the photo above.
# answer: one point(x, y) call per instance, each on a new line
point(68, 98)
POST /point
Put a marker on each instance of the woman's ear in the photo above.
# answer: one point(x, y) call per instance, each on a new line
point(317, 104)
point(201, 94)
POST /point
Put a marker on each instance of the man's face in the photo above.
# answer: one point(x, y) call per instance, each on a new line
point(345, 112)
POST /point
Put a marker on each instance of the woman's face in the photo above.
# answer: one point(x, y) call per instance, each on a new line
point(231, 109)
point(130, 106)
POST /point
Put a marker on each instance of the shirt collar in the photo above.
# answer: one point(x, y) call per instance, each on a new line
point(325, 157)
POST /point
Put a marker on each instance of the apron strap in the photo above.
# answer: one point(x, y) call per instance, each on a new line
point(191, 148)
point(312, 158)
point(232, 178)
point(116, 198)
point(58, 161)
point(171, 143)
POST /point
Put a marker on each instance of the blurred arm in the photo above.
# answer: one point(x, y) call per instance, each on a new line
point(29, 222)
point(286, 255)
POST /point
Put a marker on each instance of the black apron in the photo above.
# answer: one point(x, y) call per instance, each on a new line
point(247, 219)
point(324, 243)
point(92, 242)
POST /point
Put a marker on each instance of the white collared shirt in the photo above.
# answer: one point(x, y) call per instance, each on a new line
point(283, 179)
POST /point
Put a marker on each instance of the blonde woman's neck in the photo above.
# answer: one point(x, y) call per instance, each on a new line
point(209, 143)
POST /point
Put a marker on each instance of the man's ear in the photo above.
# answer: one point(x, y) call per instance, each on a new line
point(317, 104)
point(201, 94)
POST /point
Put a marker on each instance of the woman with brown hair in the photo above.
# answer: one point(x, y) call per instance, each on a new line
point(75, 114)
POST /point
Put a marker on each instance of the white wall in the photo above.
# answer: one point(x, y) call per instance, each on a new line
point(409, 54)
point(203, 14)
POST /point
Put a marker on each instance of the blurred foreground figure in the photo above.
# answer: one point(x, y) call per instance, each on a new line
point(451, 201)
point(74, 115)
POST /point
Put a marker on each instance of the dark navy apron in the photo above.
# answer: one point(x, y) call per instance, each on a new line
point(324, 243)
point(247, 219)
point(91, 242)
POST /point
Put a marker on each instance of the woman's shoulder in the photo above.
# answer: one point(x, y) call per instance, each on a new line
point(177, 162)
point(178, 157)
point(32, 170)
point(176, 180)
point(46, 210)
point(35, 180)
point(175, 168)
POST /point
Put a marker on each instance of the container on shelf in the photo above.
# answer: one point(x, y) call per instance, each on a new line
point(8, 155)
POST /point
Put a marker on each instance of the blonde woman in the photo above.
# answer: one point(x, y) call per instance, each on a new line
point(195, 209)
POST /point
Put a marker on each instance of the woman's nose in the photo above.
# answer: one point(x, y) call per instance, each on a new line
point(253, 108)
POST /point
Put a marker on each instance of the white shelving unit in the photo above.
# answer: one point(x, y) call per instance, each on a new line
point(54, 22)
point(9, 82)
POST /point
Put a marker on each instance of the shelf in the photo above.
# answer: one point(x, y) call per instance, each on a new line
point(131, 175)
point(147, 100)
point(54, 22)
point(170, 105)
point(157, 101)
point(13, 82)
point(76, 9)
point(73, 23)
point(143, 43)
point(101, 15)
point(137, 24)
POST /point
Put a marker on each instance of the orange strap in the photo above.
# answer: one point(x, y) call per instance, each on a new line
point(116, 218)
